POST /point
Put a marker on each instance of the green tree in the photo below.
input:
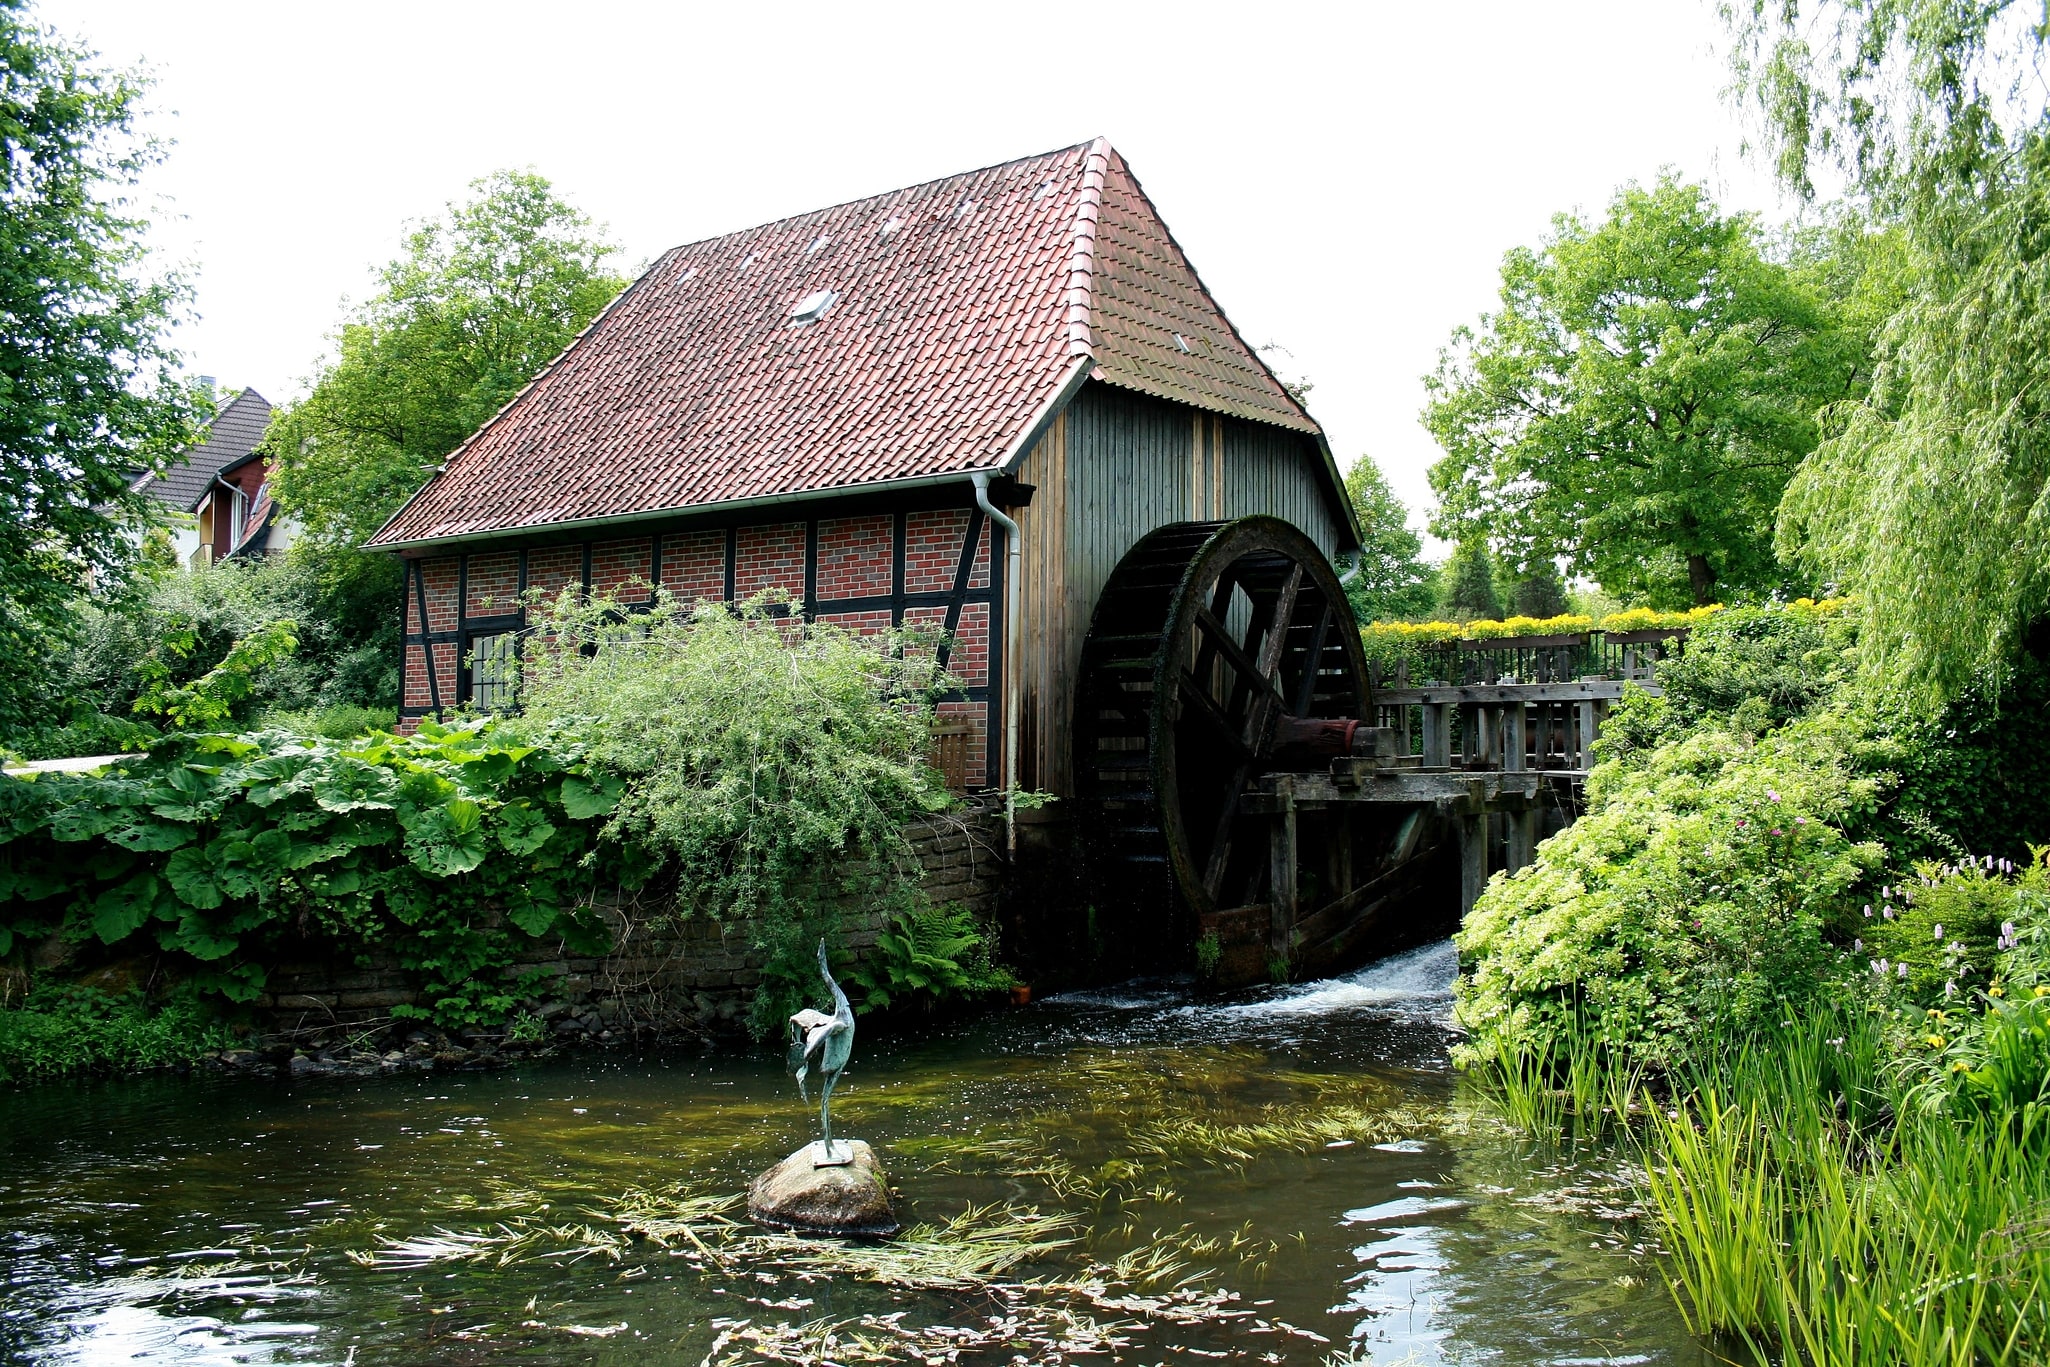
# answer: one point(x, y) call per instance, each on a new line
point(1466, 584)
point(482, 298)
point(1393, 582)
point(89, 394)
point(1932, 496)
point(1644, 393)
point(1537, 591)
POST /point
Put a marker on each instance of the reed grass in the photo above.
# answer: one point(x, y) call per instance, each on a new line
point(1816, 1205)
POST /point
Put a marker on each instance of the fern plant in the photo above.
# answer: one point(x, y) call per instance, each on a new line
point(925, 957)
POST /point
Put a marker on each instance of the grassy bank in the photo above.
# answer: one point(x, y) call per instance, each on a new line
point(58, 1030)
point(1766, 962)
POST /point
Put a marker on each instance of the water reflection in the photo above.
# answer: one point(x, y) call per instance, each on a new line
point(1302, 1155)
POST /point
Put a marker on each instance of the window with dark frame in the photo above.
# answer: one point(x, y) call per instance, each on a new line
point(492, 671)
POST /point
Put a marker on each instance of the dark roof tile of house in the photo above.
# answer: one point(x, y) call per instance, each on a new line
point(231, 438)
point(911, 335)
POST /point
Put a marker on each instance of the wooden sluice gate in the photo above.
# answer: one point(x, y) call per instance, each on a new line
point(1265, 803)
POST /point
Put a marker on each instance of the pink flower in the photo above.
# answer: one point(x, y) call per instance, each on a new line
point(1773, 795)
point(1777, 831)
point(1800, 821)
point(1939, 930)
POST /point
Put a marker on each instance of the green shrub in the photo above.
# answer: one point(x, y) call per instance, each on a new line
point(451, 850)
point(341, 605)
point(59, 1028)
point(346, 722)
point(1745, 669)
point(1690, 903)
point(771, 763)
point(928, 956)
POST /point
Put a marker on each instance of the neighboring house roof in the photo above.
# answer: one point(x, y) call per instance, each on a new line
point(961, 311)
point(231, 439)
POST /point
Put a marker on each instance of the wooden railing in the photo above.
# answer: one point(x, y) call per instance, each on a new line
point(1535, 659)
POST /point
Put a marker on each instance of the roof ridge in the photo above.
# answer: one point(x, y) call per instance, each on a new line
point(1082, 260)
point(879, 194)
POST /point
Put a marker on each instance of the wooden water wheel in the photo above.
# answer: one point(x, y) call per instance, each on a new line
point(1214, 653)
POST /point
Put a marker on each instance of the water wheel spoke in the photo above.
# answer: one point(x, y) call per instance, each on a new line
point(1244, 667)
point(1207, 708)
point(1219, 861)
point(1281, 618)
point(1313, 663)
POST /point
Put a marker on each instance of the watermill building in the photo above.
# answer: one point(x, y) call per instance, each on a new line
point(959, 404)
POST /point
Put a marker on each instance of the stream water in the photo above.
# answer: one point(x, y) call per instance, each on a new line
point(1293, 1175)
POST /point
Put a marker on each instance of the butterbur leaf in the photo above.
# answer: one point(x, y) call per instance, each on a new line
point(86, 821)
point(350, 785)
point(522, 830)
point(195, 937)
point(191, 875)
point(448, 840)
point(120, 911)
point(584, 798)
point(533, 914)
point(153, 835)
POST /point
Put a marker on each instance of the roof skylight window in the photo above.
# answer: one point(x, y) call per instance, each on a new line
point(812, 307)
point(688, 272)
point(819, 244)
point(747, 260)
point(1045, 189)
point(1182, 342)
point(967, 208)
point(890, 228)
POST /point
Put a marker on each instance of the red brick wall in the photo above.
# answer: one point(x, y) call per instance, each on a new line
point(932, 551)
point(867, 623)
point(624, 568)
point(694, 565)
point(554, 569)
point(439, 578)
point(494, 585)
point(854, 557)
point(769, 558)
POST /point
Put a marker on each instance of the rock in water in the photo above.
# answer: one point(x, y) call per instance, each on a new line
point(849, 1198)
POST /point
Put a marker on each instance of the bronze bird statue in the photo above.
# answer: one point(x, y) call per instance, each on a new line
point(822, 1044)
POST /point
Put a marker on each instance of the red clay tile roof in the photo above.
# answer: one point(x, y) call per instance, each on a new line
point(960, 310)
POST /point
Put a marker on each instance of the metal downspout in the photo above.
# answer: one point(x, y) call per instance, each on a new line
point(1013, 573)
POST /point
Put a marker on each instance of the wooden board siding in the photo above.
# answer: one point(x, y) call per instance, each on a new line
point(1114, 466)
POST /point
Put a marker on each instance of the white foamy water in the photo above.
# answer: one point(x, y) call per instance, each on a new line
point(1416, 982)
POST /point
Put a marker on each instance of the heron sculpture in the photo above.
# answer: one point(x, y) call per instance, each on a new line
point(822, 1044)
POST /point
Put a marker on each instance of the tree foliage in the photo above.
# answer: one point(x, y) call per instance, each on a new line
point(1393, 582)
point(482, 298)
point(1645, 391)
point(1466, 584)
point(1931, 497)
point(89, 395)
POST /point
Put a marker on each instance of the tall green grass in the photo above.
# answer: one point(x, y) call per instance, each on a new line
point(1820, 1203)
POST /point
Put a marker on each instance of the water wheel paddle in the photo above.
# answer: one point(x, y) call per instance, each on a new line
point(1211, 646)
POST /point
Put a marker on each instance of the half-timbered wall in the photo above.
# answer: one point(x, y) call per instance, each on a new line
point(868, 568)
point(1113, 467)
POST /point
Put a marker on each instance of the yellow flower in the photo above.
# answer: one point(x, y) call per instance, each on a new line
point(1933, 1041)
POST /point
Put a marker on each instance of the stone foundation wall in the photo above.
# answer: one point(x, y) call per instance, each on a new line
point(663, 977)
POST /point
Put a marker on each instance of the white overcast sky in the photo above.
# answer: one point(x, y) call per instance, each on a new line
point(1345, 177)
